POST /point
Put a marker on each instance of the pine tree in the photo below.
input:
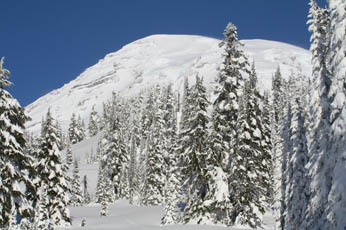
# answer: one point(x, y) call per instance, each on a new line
point(115, 156)
point(14, 163)
point(76, 193)
point(337, 138)
point(185, 104)
point(267, 145)
point(217, 176)
point(76, 131)
point(155, 165)
point(52, 175)
point(319, 177)
point(277, 106)
point(193, 154)
point(93, 122)
point(81, 128)
point(69, 156)
point(133, 182)
point(41, 219)
point(228, 93)
point(104, 188)
point(173, 184)
point(228, 90)
point(295, 199)
point(249, 162)
point(104, 209)
point(86, 194)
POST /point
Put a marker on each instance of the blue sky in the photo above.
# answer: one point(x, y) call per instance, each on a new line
point(49, 43)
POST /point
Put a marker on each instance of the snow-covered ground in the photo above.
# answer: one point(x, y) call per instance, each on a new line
point(160, 59)
point(124, 216)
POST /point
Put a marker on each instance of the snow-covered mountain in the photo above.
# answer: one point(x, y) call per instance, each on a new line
point(160, 59)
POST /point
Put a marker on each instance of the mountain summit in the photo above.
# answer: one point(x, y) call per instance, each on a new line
point(160, 59)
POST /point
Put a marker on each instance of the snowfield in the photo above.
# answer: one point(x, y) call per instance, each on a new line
point(160, 59)
point(124, 216)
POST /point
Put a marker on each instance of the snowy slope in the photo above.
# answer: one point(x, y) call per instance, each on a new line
point(159, 59)
point(126, 217)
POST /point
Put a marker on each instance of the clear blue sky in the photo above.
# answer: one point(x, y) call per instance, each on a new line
point(47, 43)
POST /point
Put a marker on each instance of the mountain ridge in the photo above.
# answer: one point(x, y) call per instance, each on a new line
point(160, 59)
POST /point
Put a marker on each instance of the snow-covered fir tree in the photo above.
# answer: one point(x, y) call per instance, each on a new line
point(319, 113)
point(267, 145)
point(69, 156)
point(81, 128)
point(295, 175)
point(218, 194)
point(277, 106)
point(53, 176)
point(104, 188)
point(76, 192)
point(250, 181)
point(41, 219)
point(115, 156)
point(93, 122)
point(193, 153)
point(173, 184)
point(86, 194)
point(228, 92)
point(155, 165)
point(14, 163)
point(337, 136)
point(76, 132)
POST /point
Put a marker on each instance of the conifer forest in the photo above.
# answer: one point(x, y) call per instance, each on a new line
point(227, 155)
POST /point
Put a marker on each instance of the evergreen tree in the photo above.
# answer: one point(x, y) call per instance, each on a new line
point(249, 162)
point(104, 188)
point(228, 93)
point(185, 104)
point(133, 182)
point(171, 209)
point(104, 209)
point(228, 90)
point(76, 193)
point(319, 113)
point(86, 194)
point(73, 130)
point(218, 194)
point(155, 165)
point(193, 154)
point(14, 163)
point(276, 139)
point(115, 156)
point(41, 219)
point(295, 199)
point(76, 129)
point(69, 156)
point(93, 122)
point(267, 145)
point(52, 175)
point(337, 138)
point(81, 128)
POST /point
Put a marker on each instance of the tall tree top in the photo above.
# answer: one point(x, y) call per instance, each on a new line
point(4, 75)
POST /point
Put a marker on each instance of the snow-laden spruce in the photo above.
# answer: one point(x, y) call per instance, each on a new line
point(52, 175)
point(337, 95)
point(14, 163)
point(193, 153)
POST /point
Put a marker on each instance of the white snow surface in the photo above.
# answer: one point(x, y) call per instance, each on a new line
point(124, 216)
point(159, 59)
